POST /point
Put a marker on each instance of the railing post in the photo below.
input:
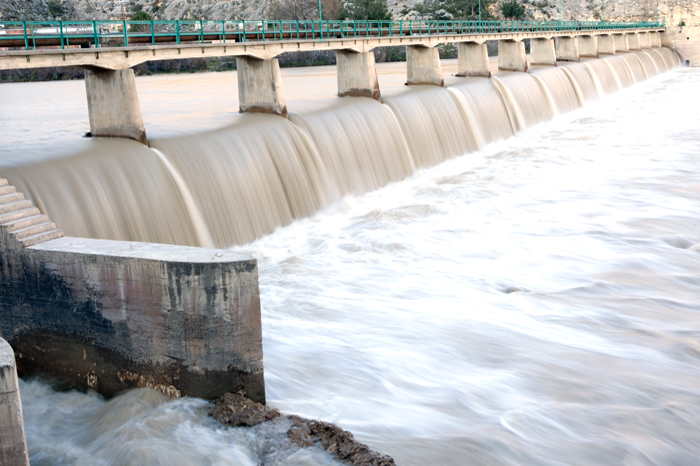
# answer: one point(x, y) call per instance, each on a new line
point(153, 34)
point(26, 42)
point(60, 29)
point(94, 33)
point(263, 30)
point(201, 31)
point(177, 31)
point(243, 26)
point(223, 30)
point(126, 36)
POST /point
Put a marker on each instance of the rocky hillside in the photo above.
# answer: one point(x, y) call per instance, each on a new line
point(674, 11)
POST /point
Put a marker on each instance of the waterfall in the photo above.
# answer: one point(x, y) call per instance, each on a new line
point(234, 184)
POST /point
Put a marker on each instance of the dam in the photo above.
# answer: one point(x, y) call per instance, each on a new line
point(310, 188)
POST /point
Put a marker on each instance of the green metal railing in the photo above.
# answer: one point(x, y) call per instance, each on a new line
point(28, 35)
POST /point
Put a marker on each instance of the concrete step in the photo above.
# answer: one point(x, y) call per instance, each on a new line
point(7, 190)
point(15, 206)
point(34, 230)
point(18, 214)
point(41, 237)
point(9, 198)
point(26, 222)
point(3, 182)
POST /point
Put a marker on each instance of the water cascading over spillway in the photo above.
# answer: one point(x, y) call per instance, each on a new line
point(234, 184)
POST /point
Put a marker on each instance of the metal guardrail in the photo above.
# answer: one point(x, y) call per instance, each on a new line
point(28, 35)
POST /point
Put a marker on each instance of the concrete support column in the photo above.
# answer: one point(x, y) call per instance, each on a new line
point(633, 41)
point(606, 45)
point(260, 86)
point(655, 39)
point(13, 444)
point(542, 52)
point(567, 49)
point(588, 46)
point(472, 59)
point(511, 56)
point(357, 74)
point(423, 65)
point(621, 43)
point(666, 39)
point(644, 40)
point(113, 104)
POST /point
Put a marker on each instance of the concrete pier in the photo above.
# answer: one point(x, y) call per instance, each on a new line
point(567, 49)
point(357, 74)
point(588, 46)
point(472, 59)
point(423, 66)
point(620, 41)
point(13, 444)
point(633, 41)
point(511, 56)
point(113, 104)
point(606, 45)
point(655, 39)
point(542, 52)
point(260, 86)
point(110, 315)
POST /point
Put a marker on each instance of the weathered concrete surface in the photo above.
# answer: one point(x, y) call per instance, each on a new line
point(13, 444)
point(606, 45)
point(110, 315)
point(423, 66)
point(644, 40)
point(511, 56)
point(357, 74)
point(686, 41)
point(655, 38)
point(588, 46)
point(633, 41)
point(260, 86)
point(620, 43)
point(113, 104)
point(472, 59)
point(567, 49)
point(542, 52)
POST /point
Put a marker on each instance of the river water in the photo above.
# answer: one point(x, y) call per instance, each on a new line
point(534, 302)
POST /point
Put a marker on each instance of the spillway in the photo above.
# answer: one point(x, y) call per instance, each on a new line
point(236, 183)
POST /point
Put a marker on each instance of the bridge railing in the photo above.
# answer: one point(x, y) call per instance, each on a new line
point(30, 35)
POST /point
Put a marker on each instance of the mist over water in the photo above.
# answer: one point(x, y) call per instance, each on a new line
point(533, 302)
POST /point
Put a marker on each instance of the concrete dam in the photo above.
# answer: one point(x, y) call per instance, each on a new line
point(120, 234)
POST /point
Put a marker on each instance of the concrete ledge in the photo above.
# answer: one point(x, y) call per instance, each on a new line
point(110, 315)
point(13, 444)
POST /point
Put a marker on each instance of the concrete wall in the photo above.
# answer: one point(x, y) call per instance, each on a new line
point(686, 41)
point(511, 56)
point(110, 315)
point(13, 444)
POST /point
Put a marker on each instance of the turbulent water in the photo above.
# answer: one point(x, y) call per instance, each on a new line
point(533, 302)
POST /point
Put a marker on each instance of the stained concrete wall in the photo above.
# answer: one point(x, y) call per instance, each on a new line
point(542, 52)
point(606, 45)
point(13, 444)
point(110, 315)
point(472, 60)
point(260, 86)
point(567, 49)
point(686, 41)
point(511, 56)
point(423, 66)
point(588, 46)
point(113, 104)
point(357, 74)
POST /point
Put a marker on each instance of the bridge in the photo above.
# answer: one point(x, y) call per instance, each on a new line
point(107, 50)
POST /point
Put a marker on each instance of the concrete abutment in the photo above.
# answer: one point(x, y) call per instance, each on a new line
point(423, 66)
point(472, 59)
point(13, 443)
point(111, 315)
point(260, 86)
point(542, 52)
point(511, 56)
point(588, 46)
point(113, 104)
point(357, 74)
point(567, 49)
